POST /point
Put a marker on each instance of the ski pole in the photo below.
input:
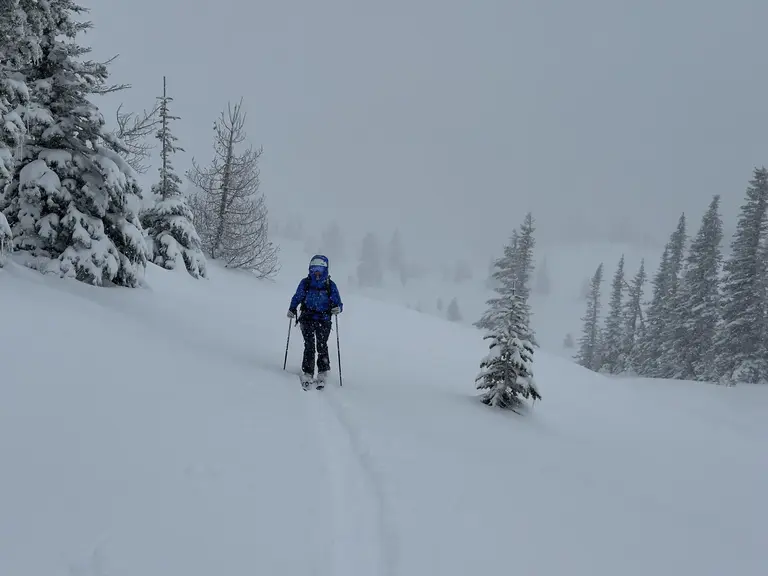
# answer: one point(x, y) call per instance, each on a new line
point(338, 350)
point(287, 342)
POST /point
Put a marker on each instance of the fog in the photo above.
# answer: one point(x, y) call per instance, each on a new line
point(449, 120)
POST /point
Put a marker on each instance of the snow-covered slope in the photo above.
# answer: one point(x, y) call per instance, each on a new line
point(153, 432)
point(557, 313)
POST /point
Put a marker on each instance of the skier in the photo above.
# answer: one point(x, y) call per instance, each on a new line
point(319, 298)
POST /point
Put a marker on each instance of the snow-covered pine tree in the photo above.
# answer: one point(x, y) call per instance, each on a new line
point(632, 319)
point(525, 262)
point(369, 269)
point(740, 343)
point(5, 239)
point(589, 344)
point(230, 213)
point(661, 322)
point(613, 332)
point(506, 373)
point(72, 202)
point(19, 48)
point(673, 333)
point(452, 313)
point(698, 302)
point(568, 341)
point(173, 240)
point(514, 270)
point(504, 279)
point(648, 347)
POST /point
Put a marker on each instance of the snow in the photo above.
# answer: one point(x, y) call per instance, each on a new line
point(153, 431)
point(38, 174)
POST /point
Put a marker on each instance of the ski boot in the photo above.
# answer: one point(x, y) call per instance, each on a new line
point(306, 381)
point(321, 378)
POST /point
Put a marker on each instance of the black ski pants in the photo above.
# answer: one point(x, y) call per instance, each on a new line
point(316, 334)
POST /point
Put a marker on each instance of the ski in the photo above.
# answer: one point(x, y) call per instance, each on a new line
point(316, 383)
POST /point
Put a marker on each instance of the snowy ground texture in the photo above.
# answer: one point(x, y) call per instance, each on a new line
point(153, 432)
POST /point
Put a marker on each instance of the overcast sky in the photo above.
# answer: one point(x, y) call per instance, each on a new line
point(449, 119)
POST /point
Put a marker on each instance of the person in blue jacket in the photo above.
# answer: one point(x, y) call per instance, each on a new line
point(319, 299)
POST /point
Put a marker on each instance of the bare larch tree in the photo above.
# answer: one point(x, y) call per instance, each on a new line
point(134, 131)
point(230, 213)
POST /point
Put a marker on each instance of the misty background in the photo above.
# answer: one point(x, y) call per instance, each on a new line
point(449, 120)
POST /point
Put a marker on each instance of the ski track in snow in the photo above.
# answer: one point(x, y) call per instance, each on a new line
point(363, 539)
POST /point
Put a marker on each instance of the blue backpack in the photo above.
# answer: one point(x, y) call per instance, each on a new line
point(307, 288)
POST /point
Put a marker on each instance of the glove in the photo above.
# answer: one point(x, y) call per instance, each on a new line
point(291, 314)
point(335, 310)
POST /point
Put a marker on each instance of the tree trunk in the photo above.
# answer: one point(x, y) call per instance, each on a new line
point(225, 181)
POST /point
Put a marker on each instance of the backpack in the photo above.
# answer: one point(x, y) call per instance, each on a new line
point(307, 288)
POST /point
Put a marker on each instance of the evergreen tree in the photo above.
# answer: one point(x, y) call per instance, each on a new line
point(453, 313)
point(440, 304)
point(369, 270)
point(505, 280)
point(649, 344)
point(613, 334)
point(740, 342)
point(5, 239)
point(19, 49)
point(514, 270)
point(506, 373)
point(173, 238)
point(672, 329)
point(568, 341)
point(72, 201)
point(589, 343)
point(654, 358)
point(633, 323)
point(230, 213)
point(698, 301)
point(525, 263)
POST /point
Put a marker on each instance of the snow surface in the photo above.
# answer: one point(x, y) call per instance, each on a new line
point(153, 432)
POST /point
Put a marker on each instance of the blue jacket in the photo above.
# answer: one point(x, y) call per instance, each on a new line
point(317, 298)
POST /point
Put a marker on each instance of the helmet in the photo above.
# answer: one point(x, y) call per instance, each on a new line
point(318, 268)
